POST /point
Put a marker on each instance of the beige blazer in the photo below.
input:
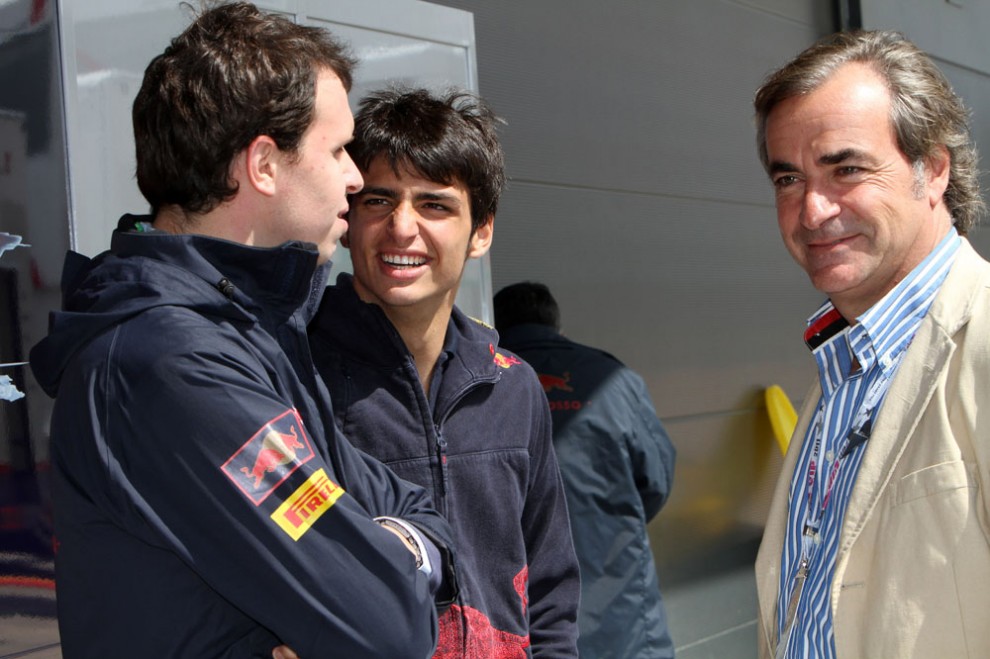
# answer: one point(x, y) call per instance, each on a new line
point(912, 576)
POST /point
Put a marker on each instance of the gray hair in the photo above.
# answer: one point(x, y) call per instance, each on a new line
point(925, 113)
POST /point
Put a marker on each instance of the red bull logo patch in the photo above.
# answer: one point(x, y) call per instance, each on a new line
point(269, 457)
point(299, 512)
point(505, 361)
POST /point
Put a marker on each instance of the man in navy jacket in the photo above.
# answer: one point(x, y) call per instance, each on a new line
point(205, 504)
point(424, 388)
point(617, 464)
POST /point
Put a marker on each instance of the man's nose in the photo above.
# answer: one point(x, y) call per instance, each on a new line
point(817, 208)
point(403, 223)
point(352, 175)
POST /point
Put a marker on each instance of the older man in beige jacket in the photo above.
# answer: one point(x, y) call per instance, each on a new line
point(878, 539)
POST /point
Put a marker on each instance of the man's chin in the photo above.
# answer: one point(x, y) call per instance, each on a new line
point(326, 252)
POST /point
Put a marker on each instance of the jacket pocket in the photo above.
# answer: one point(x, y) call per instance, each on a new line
point(934, 480)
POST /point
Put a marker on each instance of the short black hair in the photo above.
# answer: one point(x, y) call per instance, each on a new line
point(445, 139)
point(525, 303)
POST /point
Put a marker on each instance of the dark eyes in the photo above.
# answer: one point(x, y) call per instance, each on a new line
point(384, 201)
point(787, 180)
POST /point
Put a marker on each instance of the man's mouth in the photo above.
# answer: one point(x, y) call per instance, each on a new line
point(403, 260)
point(824, 243)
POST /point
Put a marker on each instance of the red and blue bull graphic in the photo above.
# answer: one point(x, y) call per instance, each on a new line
point(269, 457)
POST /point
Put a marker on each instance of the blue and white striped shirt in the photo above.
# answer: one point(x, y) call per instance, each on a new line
point(855, 366)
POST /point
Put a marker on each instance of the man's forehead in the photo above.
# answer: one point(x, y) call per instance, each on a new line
point(840, 120)
point(404, 174)
point(852, 88)
point(331, 102)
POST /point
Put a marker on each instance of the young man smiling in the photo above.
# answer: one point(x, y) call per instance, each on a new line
point(422, 387)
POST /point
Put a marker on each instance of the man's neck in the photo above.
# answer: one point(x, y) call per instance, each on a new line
point(231, 220)
point(423, 331)
point(172, 219)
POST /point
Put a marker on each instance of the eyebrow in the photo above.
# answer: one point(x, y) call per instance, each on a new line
point(838, 157)
point(379, 192)
point(778, 166)
point(437, 196)
point(842, 156)
point(392, 194)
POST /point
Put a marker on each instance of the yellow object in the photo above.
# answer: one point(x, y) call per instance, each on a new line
point(783, 418)
point(307, 504)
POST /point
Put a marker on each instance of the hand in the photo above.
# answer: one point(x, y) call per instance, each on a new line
point(284, 652)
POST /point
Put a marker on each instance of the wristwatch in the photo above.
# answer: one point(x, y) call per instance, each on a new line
point(413, 544)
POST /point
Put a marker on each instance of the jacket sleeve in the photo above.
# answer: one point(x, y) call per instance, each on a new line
point(650, 450)
point(554, 585)
point(389, 495)
point(207, 458)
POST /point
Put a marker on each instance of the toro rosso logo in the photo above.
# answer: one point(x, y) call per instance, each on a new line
point(559, 382)
point(269, 457)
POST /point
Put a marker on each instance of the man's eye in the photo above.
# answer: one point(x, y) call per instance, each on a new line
point(784, 181)
point(848, 170)
point(375, 201)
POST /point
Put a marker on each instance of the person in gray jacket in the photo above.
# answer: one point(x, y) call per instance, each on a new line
point(617, 463)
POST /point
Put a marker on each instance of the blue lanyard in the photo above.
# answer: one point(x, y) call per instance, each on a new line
point(862, 426)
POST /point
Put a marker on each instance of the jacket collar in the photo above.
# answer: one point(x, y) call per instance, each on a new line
point(275, 281)
point(363, 332)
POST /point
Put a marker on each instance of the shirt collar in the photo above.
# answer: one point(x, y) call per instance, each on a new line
point(886, 328)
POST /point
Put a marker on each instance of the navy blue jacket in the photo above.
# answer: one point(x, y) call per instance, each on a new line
point(482, 446)
point(204, 504)
point(617, 464)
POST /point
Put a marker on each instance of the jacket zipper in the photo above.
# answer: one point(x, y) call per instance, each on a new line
point(442, 456)
point(441, 443)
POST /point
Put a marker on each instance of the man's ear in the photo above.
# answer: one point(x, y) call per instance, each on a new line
point(937, 168)
point(481, 239)
point(261, 160)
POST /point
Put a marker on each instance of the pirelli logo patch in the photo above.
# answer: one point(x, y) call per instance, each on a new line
point(307, 504)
